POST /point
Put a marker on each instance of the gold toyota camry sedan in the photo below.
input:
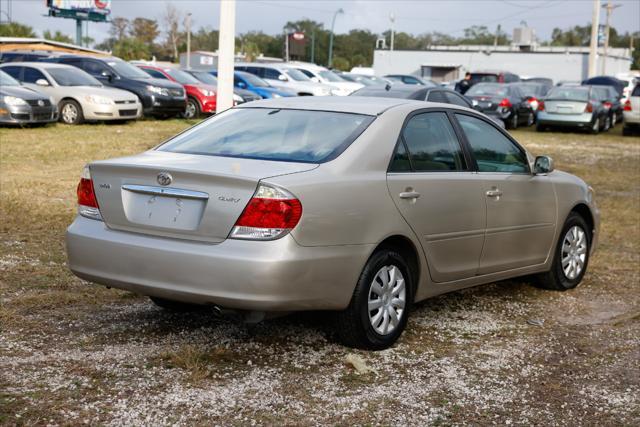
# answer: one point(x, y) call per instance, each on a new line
point(359, 206)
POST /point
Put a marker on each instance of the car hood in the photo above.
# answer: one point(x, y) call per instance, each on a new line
point(22, 92)
point(350, 86)
point(158, 82)
point(108, 92)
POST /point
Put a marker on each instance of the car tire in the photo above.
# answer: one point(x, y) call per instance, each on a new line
point(531, 118)
point(192, 111)
point(512, 122)
point(595, 127)
point(71, 112)
point(607, 124)
point(359, 327)
point(614, 120)
point(561, 277)
point(177, 306)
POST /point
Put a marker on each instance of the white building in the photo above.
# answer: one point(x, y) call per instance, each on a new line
point(445, 63)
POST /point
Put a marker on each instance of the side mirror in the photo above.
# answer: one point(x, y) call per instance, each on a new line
point(543, 165)
point(315, 79)
point(282, 78)
point(107, 75)
point(42, 82)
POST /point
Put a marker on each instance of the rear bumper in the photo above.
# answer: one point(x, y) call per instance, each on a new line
point(277, 275)
point(565, 120)
point(632, 117)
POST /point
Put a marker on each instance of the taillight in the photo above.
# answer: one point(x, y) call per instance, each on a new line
point(270, 214)
point(588, 108)
point(607, 105)
point(541, 105)
point(505, 103)
point(87, 202)
point(627, 105)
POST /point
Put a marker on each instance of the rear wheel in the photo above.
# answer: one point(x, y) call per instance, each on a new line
point(71, 112)
point(571, 256)
point(379, 307)
point(192, 110)
point(530, 119)
point(614, 119)
point(607, 124)
point(512, 122)
point(595, 127)
point(177, 306)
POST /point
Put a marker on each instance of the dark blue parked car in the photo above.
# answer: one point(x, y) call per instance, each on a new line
point(243, 80)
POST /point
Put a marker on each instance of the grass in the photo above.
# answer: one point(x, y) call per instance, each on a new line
point(71, 351)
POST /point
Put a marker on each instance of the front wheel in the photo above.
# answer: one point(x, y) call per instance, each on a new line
point(192, 110)
point(379, 307)
point(571, 257)
point(71, 112)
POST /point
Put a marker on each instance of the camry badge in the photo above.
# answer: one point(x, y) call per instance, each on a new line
point(164, 178)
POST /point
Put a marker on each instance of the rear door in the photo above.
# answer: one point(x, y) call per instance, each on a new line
point(438, 195)
point(521, 207)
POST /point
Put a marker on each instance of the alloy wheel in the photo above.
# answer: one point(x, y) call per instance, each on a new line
point(574, 252)
point(69, 113)
point(190, 111)
point(387, 299)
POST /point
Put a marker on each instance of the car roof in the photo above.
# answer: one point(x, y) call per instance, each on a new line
point(38, 64)
point(342, 104)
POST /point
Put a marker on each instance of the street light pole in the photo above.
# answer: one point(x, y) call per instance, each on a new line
point(609, 6)
point(188, 40)
point(392, 18)
point(593, 47)
point(226, 54)
point(333, 23)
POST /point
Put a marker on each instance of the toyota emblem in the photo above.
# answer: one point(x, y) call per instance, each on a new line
point(164, 178)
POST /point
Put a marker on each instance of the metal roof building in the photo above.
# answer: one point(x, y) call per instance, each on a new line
point(9, 44)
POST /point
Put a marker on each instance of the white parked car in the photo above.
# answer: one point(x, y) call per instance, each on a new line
point(283, 76)
point(631, 112)
point(320, 74)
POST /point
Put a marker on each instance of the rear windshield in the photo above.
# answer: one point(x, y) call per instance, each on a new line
point(568, 94)
point(489, 90)
point(182, 77)
point(271, 134)
point(483, 78)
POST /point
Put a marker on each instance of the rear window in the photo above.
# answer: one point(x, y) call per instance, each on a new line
point(568, 94)
point(483, 78)
point(636, 91)
point(272, 134)
point(489, 90)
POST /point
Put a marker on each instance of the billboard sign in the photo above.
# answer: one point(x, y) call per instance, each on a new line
point(92, 10)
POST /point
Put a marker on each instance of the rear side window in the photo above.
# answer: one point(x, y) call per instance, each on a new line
point(13, 71)
point(155, 73)
point(436, 96)
point(94, 68)
point(283, 135)
point(455, 99)
point(493, 151)
point(432, 144)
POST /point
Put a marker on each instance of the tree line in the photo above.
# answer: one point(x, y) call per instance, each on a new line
point(165, 39)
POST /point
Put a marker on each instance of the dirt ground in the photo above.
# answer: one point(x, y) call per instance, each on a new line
point(506, 353)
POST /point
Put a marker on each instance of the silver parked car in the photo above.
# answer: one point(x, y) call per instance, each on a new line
point(353, 204)
point(78, 95)
point(20, 105)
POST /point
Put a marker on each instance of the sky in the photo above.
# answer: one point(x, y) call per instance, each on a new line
point(416, 17)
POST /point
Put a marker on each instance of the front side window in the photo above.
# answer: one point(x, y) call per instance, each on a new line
point(72, 77)
point(432, 144)
point(272, 134)
point(126, 70)
point(13, 71)
point(493, 151)
point(455, 99)
point(270, 73)
point(296, 74)
point(31, 75)
point(155, 73)
point(181, 77)
point(94, 68)
point(436, 96)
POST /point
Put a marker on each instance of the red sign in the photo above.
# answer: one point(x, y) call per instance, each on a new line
point(298, 36)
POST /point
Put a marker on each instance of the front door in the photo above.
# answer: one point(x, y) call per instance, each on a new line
point(521, 207)
point(439, 196)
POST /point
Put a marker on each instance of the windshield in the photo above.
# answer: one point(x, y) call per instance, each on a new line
point(330, 76)
point(488, 78)
point(260, 133)
point(128, 71)
point(182, 77)
point(205, 78)
point(532, 90)
point(69, 76)
point(296, 74)
point(254, 80)
point(569, 94)
point(488, 90)
point(7, 80)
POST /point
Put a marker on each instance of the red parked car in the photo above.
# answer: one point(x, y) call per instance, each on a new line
point(201, 98)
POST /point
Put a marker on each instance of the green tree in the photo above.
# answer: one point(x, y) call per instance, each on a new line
point(145, 30)
point(130, 48)
point(119, 28)
point(341, 63)
point(57, 37)
point(15, 29)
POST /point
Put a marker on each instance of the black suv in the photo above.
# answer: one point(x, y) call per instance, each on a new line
point(159, 98)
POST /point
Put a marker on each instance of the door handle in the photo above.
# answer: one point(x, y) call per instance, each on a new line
point(494, 193)
point(409, 195)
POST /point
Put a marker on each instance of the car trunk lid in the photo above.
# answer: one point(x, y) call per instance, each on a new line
point(486, 103)
point(185, 196)
point(565, 107)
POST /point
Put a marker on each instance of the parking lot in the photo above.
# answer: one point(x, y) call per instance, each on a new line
point(505, 353)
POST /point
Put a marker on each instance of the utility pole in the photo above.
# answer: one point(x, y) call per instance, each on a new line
point(286, 45)
point(226, 54)
point(392, 18)
point(333, 23)
point(313, 46)
point(593, 47)
point(188, 25)
point(609, 7)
